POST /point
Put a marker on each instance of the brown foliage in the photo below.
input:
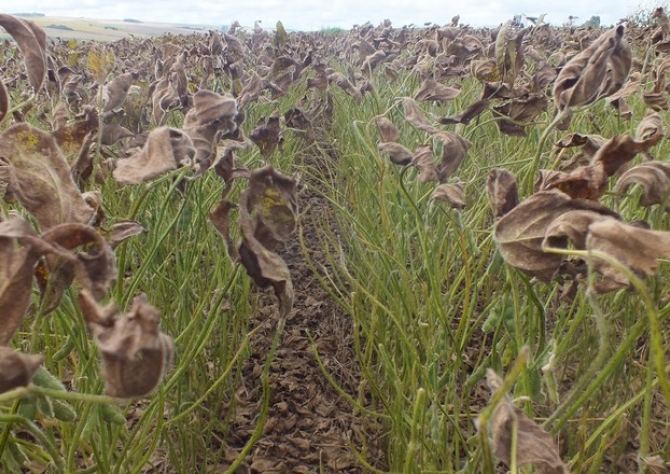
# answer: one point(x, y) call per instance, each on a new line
point(165, 149)
point(39, 176)
point(533, 446)
point(596, 72)
point(31, 40)
point(135, 354)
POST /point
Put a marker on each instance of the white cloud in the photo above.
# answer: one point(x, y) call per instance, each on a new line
point(315, 14)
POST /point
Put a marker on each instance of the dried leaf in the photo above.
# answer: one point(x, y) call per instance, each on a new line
point(210, 106)
point(533, 444)
point(112, 133)
point(135, 354)
point(387, 131)
point(266, 134)
point(93, 264)
point(39, 176)
point(454, 149)
point(650, 127)
point(502, 191)
point(433, 90)
point(16, 369)
point(398, 154)
point(594, 72)
point(571, 226)
point(451, 193)
point(71, 136)
point(414, 116)
point(654, 177)
point(123, 230)
point(465, 117)
point(634, 247)
point(16, 275)
point(32, 41)
point(271, 203)
point(165, 149)
point(655, 464)
point(4, 101)
point(424, 159)
point(620, 149)
point(520, 232)
point(116, 91)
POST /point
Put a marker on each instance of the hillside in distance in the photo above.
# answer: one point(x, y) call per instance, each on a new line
point(107, 30)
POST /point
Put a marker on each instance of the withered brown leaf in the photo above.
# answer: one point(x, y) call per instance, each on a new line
point(4, 101)
point(520, 232)
point(123, 230)
point(398, 154)
point(32, 41)
point(266, 135)
point(533, 444)
point(39, 176)
point(451, 193)
point(454, 149)
point(414, 116)
point(210, 106)
point(16, 369)
point(267, 217)
point(165, 149)
point(654, 177)
point(16, 275)
point(135, 354)
point(424, 159)
point(433, 90)
point(94, 264)
point(502, 191)
point(634, 247)
point(465, 117)
point(594, 72)
point(116, 91)
point(650, 127)
point(387, 131)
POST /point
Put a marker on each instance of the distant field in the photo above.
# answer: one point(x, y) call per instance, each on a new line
point(107, 30)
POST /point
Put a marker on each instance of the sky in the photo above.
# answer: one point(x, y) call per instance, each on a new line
point(318, 14)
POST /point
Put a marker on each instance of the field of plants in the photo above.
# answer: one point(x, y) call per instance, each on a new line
point(417, 250)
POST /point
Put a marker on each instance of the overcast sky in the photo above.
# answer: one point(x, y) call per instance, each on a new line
point(317, 14)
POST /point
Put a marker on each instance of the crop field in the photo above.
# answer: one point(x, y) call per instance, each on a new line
point(383, 250)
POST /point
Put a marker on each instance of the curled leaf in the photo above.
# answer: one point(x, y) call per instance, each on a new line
point(387, 131)
point(533, 444)
point(424, 160)
point(4, 101)
point(634, 247)
point(165, 149)
point(433, 90)
point(266, 134)
point(519, 234)
point(451, 193)
point(16, 369)
point(654, 177)
point(502, 191)
point(135, 354)
point(454, 148)
point(210, 106)
point(16, 275)
point(123, 230)
point(93, 264)
point(398, 154)
point(117, 90)
point(39, 176)
point(594, 72)
point(31, 40)
point(416, 118)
